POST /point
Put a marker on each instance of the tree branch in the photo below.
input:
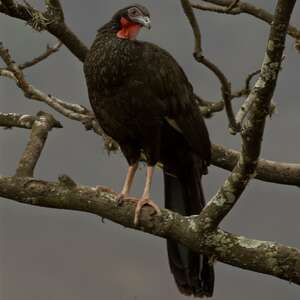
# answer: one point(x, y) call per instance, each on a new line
point(245, 91)
point(51, 21)
point(16, 120)
point(267, 170)
point(196, 232)
point(39, 133)
point(226, 86)
point(72, 111)
point(247, 8)
point(252, 131)
point(49, 51)
point(260, 256)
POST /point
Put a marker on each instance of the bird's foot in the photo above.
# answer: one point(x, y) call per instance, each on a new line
point(142, 202)
point(121, 198)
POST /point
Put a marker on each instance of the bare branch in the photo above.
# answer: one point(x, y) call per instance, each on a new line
point(244, 110)
point(49, 51)
point(194, 24)
point(247, 8)
point(232, 5)
point(69, 110)
point(49, 21)
point(253, 129)
point(267, 170)
point(230, 9)
point(226, 86)
point(216, 9)
point(259, 256)
point(72, 111)
point(39, 133)
point(197, 233)
point(282, 173)
point(16, 120)
point(208, 110)
point(8, 74)
point(245, 91)
point(226, 91)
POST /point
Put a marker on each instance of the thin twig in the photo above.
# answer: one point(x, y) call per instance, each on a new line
point(247, 8)
point(69, 110)
point(49, 51)
point(232, 5)
point(226, 86)
point(216, 9)
point(226, 91)
point(188, 10)
point(245, 91)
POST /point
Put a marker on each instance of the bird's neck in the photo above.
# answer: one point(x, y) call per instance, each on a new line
point(112, 55)
point(122, 29)
point(129, 30)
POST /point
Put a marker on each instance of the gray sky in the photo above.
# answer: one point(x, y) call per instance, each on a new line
point(51, 254)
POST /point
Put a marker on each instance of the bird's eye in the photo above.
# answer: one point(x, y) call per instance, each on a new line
point(134, 12)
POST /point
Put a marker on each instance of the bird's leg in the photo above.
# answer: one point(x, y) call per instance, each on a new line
point(127, 183)
point(145, 199)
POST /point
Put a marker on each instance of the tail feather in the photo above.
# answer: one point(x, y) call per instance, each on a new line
point(193, 273)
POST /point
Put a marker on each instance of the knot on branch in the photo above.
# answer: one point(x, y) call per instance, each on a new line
point(49, 119)
point(198, 55)
point(232, 6)
point(67, 181)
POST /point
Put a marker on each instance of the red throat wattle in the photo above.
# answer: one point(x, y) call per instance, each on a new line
point(129, 29)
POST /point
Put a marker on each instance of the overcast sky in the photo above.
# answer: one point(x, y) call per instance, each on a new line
point(51, 254)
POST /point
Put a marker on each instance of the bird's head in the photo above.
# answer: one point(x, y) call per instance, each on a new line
point(131, 19)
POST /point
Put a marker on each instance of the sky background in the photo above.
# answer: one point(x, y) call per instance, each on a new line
point(51, 254)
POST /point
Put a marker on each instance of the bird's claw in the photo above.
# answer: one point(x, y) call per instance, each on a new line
point(142, 202)
point(120, 199)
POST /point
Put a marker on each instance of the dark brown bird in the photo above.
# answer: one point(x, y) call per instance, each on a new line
point(143, 99)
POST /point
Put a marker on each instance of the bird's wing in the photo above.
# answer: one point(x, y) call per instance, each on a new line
point(160, 73)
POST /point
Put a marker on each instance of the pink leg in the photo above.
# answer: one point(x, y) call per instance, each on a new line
point(145, 199)
point(127, 183)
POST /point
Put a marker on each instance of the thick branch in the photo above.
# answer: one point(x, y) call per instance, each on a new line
point(16, 120)
point(264, 257)
point(51, 21)
point(267, 170)
point(252, 131)
point(39, 133)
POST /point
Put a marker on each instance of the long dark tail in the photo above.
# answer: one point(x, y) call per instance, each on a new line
point(193, 273)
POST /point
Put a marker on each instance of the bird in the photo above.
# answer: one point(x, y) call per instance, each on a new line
point(143, 99)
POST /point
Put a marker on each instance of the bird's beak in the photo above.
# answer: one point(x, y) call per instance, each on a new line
point(142, 20)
